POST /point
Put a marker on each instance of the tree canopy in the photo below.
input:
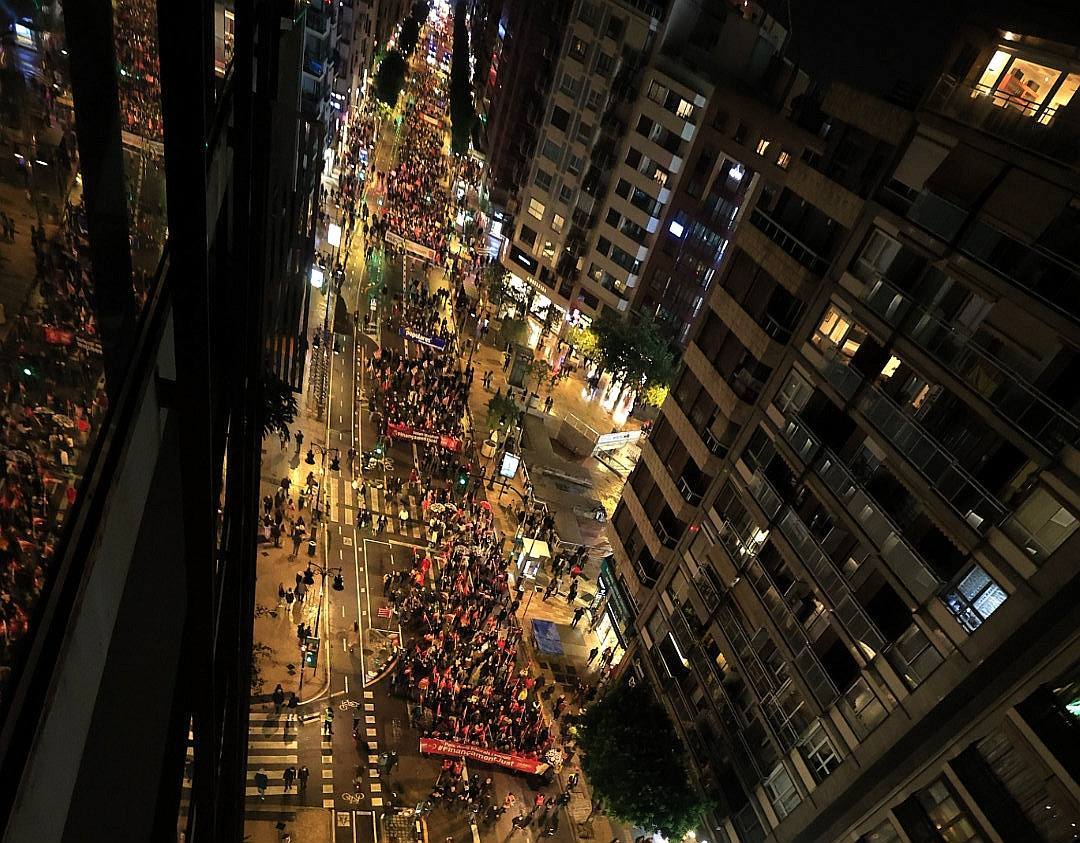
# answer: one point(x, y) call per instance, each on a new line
point(390, 78)
point(279, 405)
point(634, 761)
point(502, 412)
point(638, 354)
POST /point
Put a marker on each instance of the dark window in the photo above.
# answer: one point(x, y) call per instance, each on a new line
point(560, 118)
point(527, 235)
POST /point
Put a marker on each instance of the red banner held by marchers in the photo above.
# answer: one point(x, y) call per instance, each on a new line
point(510, 760)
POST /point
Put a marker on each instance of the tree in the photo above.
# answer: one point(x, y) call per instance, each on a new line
point(535, 373)
point(502, 412)
point(390, 77)
point(279, 405)
point(655, 394)
point(636, 353)
point(584, 341)
point(635, 762)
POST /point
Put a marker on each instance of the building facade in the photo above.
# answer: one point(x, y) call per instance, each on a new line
point(851, 539)
point(140, 333)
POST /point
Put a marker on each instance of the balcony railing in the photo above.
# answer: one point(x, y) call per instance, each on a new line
point(799, 251)
point(765, 494)
point(967, 497)
point(1042, 129)
point(667, 539)
point(801, 438)
point(846, 608)
point(908, 566)
point(836, 370)
point(1046, 423)
point(794, 633)
point(688, 494)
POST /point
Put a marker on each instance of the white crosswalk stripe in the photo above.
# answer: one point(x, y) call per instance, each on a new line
point(272, 748)
point(381, 503)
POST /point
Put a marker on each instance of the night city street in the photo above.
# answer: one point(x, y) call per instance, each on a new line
point(502, 421)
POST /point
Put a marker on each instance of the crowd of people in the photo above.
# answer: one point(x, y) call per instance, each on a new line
point(426, 391)
point(417, 206)
point(139, 77)
point(51, 401)
point(462, 671)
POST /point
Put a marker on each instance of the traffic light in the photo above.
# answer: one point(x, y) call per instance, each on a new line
point(339, 582)
point(310, 458)
point(335, 464)
point(309, 577)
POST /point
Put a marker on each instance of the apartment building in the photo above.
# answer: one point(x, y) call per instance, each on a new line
point(576, 176)
point(851, 539)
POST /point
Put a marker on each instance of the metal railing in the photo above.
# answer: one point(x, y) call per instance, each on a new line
point(765, 494)
point(801, 438)
point(1046, 423)
point(688, 494)
point(793, 246)
point(837, 371)
point(967, 497)
point(1054, 132)
point(835, 587)
point(821, 686)
point(908, 566)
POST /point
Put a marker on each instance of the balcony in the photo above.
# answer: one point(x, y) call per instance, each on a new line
point(765, 494)
point(689, 495)
point(836, 369)
point(964, 494)
point(1047, 424)
point(847, 609)
point(795, 248)
point(810, 668)
point(1054, 133)
point(908, 566)
point(801, 438)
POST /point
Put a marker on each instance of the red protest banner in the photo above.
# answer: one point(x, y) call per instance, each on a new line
point(511, 760)
point(400, 430)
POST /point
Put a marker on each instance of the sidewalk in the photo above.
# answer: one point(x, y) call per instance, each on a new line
point(311, 825)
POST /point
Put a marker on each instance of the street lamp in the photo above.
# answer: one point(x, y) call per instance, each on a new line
point(335, 465)
point(309, 655)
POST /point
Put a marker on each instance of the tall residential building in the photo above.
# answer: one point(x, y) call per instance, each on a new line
point(156, 190)
point(851, 540)
point(574, 176)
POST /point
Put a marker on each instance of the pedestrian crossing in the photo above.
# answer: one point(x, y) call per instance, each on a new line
point(272, 749)
point(379, 502)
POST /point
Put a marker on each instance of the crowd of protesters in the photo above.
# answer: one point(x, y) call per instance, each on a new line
point(461, 671)
point(50, 403)
point(139, 77)
point(426, 391)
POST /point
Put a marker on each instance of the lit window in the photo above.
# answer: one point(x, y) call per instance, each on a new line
point(557, 222)
point(993, 71)
point(784, 161)
point(782, 791)
point(1024, 86)
point(762, 146)
point(685, 109)
point(578, 49)
point(838, 334)
point(1061, 98)
point(536, 208)
point(676, 228)
point(660, 176)
point(819, 753)
point(549, 250)
point(975, 598)
point(947, 814)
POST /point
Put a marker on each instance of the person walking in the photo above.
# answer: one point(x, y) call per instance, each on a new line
point(262, 782)
point(278, 697)
point(579, 613)
point(290, 601)
point(571, 595)
point(302, 777)
point(593, 653)
point(299, 440)
point(328, 721)
point(289, 777)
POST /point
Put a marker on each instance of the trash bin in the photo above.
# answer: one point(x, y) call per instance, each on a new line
point(311, 547)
